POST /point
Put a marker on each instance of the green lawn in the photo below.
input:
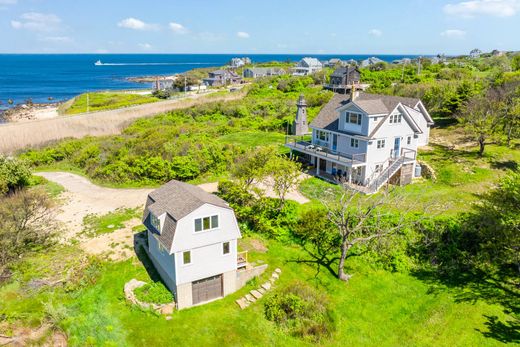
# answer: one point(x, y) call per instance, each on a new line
point(101, 101)
point(94, 225)
point(461, 176)
point(376, 308)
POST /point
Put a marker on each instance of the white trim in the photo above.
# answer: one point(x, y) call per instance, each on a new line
point(182, 258)
point(229, 245)
point(202, 225)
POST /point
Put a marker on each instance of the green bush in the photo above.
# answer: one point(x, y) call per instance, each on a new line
point(14, 174)
point(155, 293)
point(302, 311)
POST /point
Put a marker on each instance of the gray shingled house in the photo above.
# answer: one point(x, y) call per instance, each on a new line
point(192, 241)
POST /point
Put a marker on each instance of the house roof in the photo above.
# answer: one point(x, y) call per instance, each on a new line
point(327, 119)
point(342, 71)
point(311, 61)
point(264, 70)
point(176, 199)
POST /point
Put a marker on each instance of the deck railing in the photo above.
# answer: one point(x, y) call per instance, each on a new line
point(241, 259)
point(323, 152)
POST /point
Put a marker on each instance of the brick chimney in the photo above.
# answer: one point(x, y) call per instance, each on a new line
point(300, 126)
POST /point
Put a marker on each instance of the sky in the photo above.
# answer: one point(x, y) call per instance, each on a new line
point(256, 27)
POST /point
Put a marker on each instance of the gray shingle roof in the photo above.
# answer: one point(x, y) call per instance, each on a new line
point(370, 103)
point(176, 199)
point(342, 71)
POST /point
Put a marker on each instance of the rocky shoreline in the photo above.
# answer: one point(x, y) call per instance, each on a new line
point(25, 112)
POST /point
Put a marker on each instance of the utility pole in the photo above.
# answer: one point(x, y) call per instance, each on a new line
point(419, 66)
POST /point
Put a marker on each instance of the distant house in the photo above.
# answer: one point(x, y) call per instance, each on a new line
point(366, 140)
point(404, 61)
point(497, 53)
point(256, 72)
point(335, 62)
point(475, 53)
point(343, 78)
point(220, 78)
point(371, 61)
point(239, 62)
point(307, 66)
point(192, 242)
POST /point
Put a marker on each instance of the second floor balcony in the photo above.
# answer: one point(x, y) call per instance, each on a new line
point(350, 160)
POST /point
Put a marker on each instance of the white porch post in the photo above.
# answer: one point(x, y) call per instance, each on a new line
point(350, 175)
point(317, 166)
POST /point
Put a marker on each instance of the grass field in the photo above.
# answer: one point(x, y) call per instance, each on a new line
point(375, 308)
point(102, 101)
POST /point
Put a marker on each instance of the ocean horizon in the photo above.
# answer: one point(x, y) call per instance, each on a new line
point(49, 78)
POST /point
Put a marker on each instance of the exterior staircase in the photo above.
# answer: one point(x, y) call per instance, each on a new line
point(379, 180)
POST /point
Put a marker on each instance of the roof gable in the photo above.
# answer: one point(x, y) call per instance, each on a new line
point(176, 199)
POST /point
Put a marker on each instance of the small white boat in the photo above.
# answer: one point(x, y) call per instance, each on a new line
point(98, 63)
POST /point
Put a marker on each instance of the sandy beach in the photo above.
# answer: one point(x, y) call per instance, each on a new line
point(23, 113)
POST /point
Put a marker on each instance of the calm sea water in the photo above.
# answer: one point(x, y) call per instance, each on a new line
point(62, 76)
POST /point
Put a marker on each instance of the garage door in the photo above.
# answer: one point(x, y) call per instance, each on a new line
point(207, 289)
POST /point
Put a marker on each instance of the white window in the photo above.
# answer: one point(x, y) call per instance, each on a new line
point(226, 249)
point(380, 143)
point(206, 223)
point(353, 118)
point(322, 135)
point(396, 118)
point(354, 143)
point(186, 257)
point(156, 223)
point(409, 140)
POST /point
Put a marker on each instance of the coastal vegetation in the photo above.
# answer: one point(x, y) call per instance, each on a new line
point(103, 101)
point(416, 276)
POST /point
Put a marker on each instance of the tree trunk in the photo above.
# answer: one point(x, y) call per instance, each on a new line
point(344, 249)
point(482, 145)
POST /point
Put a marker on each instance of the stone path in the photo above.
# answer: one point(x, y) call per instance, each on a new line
point(258, 293)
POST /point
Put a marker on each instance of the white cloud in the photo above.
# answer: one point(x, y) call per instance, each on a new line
point(57, 39)
point(145, 46)
point(496, 8)
point(35, 21)
point(136, 24)
point(177, 28)
point(375, 32)
point(243, 35)
point(454, 34)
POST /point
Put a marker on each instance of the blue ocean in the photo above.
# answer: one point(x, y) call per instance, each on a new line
point(57, 77)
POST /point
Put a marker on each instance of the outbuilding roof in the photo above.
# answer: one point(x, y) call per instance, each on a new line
point(176, 199)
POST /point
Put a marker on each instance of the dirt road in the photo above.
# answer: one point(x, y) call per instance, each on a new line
point(82, 197)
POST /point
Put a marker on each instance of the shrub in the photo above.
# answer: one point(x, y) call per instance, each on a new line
point(155, 293)
point(26, 224)
point(14, 174)
point(301, 311)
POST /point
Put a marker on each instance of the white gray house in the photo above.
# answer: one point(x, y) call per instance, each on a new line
point(366, 140)
point(257, 72)
point(307, 66)
point(370, 61)
point(192, 241)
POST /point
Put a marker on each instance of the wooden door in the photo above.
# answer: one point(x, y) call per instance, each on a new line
point(207, 289)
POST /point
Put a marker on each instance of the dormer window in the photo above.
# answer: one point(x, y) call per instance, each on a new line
point(353, 118)
point(206, 223)
point(396, 118)
point(156, 223)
